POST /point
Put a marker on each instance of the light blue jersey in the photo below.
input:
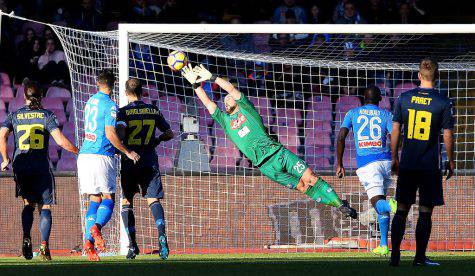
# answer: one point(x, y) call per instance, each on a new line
point(100, 111)
point(371, 126)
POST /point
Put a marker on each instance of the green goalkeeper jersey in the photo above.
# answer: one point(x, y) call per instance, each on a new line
point(248, 133)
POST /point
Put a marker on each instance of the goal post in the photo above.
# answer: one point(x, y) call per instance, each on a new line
point(391, 74)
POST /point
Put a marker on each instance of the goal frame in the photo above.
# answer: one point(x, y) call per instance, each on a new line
point(126, 28)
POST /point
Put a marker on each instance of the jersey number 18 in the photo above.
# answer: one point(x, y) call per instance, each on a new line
point(418, 126)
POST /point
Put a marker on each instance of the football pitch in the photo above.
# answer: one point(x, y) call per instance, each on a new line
point(324, 264)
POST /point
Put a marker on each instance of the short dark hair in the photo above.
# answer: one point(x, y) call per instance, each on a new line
point(372, 94)
point(134, 86)
point(106, 77)
point(429, 69)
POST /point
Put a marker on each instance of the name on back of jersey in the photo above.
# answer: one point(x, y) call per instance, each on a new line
point(141, 111)
point(30, 115)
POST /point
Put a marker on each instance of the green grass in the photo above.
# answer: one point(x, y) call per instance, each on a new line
point(321, 264)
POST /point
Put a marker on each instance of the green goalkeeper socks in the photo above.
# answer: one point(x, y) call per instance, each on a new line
point(322, 192)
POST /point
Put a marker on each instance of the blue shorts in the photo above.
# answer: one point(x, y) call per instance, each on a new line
point(35, 187)
point(146, 180)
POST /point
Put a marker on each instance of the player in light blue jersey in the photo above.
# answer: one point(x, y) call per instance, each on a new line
point(96, 162)
point(371, 127)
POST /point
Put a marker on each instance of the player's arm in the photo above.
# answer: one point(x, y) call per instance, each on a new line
point(191, 77)
point(53, 128)
point(63, 141)
point(4, 132)
point(395, 137)
point(448, 126)
point(340, 150)
point(206, 75)
point(113, 137)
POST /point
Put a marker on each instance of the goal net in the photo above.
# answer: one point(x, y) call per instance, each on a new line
point(302, 80)
point(302, 85)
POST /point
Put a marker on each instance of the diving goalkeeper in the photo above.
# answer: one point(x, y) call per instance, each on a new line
point(243, 125)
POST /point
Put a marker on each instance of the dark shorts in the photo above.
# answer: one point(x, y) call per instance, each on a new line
point(429, 184)
point(35, 187)
point(146, 180)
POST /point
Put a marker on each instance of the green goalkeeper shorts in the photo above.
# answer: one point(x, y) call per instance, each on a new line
point(284, 167)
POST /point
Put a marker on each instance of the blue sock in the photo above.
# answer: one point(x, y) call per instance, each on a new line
point(91, 218)
point(383, 209)
point(383, 220)
point(45, 224)
point(27, 220)
point(104, 213)
point(129, 223)
point(382, 206)
point(159, 216)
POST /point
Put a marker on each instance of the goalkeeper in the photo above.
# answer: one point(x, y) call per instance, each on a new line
point(243, 125)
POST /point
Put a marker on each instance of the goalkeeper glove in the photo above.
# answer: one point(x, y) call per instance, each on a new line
point(188, 73)
point(204, 74)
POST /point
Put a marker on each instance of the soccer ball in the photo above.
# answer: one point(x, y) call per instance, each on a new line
point(177, 60)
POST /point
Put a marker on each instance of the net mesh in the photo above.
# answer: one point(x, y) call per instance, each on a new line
point(302, 92)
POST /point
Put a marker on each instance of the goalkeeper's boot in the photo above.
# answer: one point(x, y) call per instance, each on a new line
point(45, 254)
point(381, 250)
point(163, 247)
point(347, 211)
point(97, 236)
point(393, 205)
point(27, 249)
point(91, 251)
point(133, 252)
point(424, 262)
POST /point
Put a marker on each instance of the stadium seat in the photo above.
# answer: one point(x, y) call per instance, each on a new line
point(320, 103)
point(316, 137)
point(53, 154)
point(288, 136)
point(165, 163)
point(6, 93)
point(3, 115)
point(3, 107)
point(16, 104)
point(288, 117)
point(385, 103)
point(60, 93)
point(318, 157)
point(151, 91)
point(263, 107)
point(20, 92)
point(319, 115)
point(5, 79)
point(225, 157)
point(67, 164)
point(319, 126)
point(205, 117)
point(345, 103)
point(69, 127)
point(53, 104)
point(69, 107)
point(403, 87)
point(349, 161)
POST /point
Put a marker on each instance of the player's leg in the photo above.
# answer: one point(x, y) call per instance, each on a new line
point(129, 184)
point(430, 195)
point(45, 223)
point(152, 184)
point(105, 175)
point(406, 196)
point(27, 222)
point(372, 176)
